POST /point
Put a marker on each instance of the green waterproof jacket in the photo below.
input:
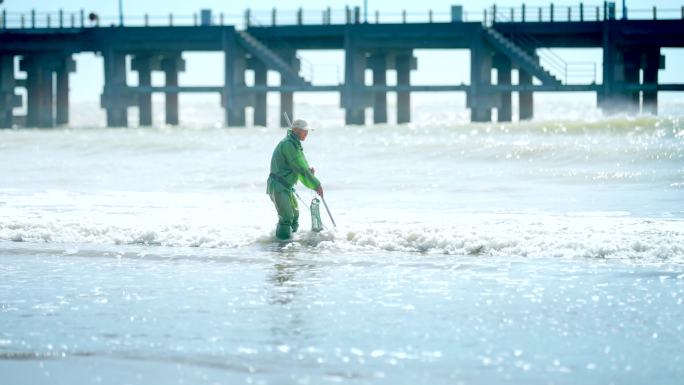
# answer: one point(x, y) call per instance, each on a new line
point(289, 164)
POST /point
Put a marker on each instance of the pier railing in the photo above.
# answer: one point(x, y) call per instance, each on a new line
point(568, 72)
point(523, 13)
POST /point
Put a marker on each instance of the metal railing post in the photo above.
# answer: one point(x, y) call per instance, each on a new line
point(569, 14)
point(61, 18)
point(299, 16)
point(33, 18)
point(274, 17)
point(4, 19)
point(170, 19)
point(23, 23)
point(430, 16)
point(221, 20)
point(512, 14)
point(357, 15)
point(403, 16)
point(248, 16)
point(329, 11)
point(484, 16)
point(377, 16)
point(540, 14)
point(194, 19)
point(598, 13)
point(655, 14)
point(147, 20)
point(82, 19)
point(48, 21)
point(551, 12)
point(523, 13)
point(494, 14)
point(347, 14)
point(581, 11)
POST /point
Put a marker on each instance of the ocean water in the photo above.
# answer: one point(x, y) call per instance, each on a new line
point(546, 252)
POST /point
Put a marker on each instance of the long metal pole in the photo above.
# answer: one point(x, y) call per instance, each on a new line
point(365, 11)
point(121, 13)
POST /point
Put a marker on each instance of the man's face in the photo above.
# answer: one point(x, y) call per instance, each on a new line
point(301, 134)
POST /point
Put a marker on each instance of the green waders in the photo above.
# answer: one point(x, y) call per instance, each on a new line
point(288, 165)
point(288, 213)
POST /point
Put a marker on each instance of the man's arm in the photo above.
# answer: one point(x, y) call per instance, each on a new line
point(297, 162)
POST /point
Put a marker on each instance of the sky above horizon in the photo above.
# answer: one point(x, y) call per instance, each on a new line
point(326, 67)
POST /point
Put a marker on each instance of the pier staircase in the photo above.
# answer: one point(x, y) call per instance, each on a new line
point(271, 59)
point(525, 60)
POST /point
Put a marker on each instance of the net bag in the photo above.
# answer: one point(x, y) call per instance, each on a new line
point(316, 223)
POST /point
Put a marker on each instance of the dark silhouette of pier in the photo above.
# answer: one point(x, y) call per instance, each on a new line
point(505, 39)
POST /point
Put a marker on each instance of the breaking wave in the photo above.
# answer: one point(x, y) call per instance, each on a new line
point(603, 237)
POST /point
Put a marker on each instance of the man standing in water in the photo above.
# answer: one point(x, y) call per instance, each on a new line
point(288, 165)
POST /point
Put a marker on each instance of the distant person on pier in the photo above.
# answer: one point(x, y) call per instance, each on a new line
point(288, 165)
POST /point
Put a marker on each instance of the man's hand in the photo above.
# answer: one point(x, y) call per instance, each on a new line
point(313, 170)
point(319, 190)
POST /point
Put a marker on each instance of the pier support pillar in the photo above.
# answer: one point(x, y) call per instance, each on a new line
point(378, 65)
point(503, 77)
point(632, 66)
point(479, 98)
point(39, 73)
point(114, 97)
point(620, 67)
point(260, 79)
point(143, 65)
point(286, 97)
point(67, 65)
point(525, 98)
point(403, 66)
point(8, 99)
point(651, 65)
point(354, 100)
point(235, 66)
point(172, 64)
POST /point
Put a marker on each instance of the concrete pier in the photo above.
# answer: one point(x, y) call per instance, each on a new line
point(172, 64)
point(8, 98)
point(114, 98)
point(143, 65)
point(503, 76)
point(66, 66)
point(631, 61)
point(403, 66)
point(525, 98)
point(235, 66)
point(353, 98)
point(479, 98)
point(377, 62)
point(260, 79)
point(39, 70)
point(651, 65)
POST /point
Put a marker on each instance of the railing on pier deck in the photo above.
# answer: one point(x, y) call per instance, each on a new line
point(580, 12)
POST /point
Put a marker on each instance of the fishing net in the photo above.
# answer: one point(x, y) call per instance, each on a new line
point(316, 223)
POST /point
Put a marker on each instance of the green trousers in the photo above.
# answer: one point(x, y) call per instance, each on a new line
point(288, 213)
